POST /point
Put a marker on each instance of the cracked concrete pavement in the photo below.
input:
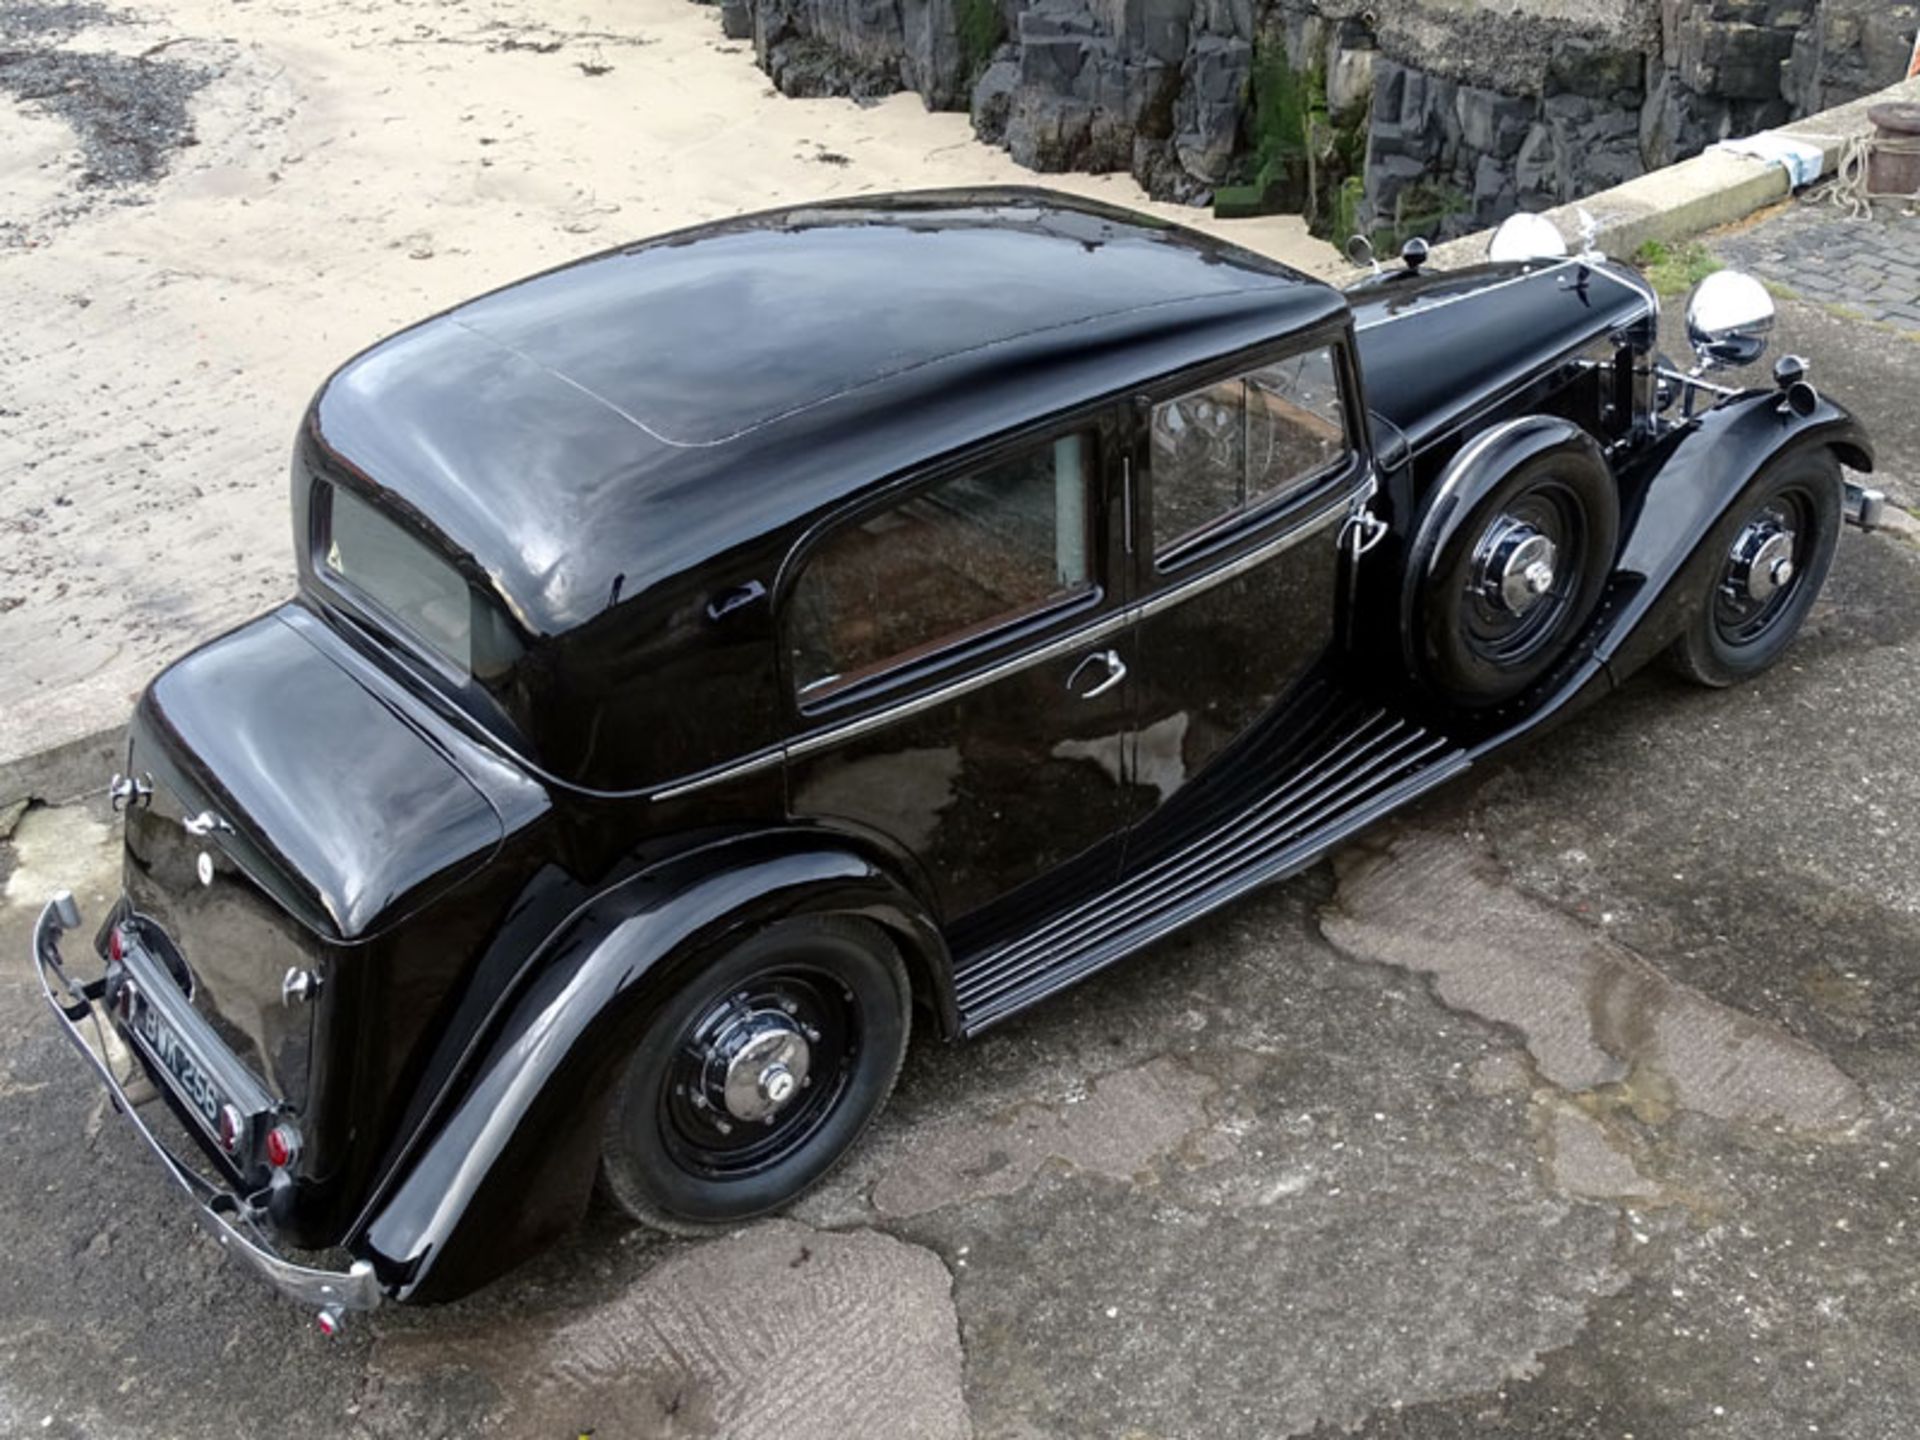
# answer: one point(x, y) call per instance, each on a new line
point(1579, 1102)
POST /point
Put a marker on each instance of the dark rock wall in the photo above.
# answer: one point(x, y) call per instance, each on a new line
point(1415, 117)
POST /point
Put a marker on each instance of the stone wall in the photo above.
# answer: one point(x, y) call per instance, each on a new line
point(1413, 117)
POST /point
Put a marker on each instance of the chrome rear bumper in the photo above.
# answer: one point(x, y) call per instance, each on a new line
point(231, 1219)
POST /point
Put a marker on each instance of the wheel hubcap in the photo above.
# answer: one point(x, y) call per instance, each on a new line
point(766, 1072)
point(1515, 566)
point(1762, 562)
point(1764, 568)
point(758, 1071)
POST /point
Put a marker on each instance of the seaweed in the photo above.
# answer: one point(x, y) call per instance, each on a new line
point(980, 27)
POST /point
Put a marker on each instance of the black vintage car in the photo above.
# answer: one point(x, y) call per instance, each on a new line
point(714, 658)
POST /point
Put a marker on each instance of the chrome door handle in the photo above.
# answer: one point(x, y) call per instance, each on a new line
point(1116, 672)
point(127, 791)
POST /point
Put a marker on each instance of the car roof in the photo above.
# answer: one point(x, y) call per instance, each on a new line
point(590, 432)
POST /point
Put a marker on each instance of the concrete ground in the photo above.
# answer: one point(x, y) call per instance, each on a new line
point(1582, 1101)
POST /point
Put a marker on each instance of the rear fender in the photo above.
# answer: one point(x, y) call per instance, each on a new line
point(512, 1164)
point(1666, 557)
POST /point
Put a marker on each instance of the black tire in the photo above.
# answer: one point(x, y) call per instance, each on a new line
point(1474, 652)
point(675, 1157)
point(1736, 635)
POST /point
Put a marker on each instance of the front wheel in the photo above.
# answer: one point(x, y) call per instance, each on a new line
point(1509, 591)
point(758, 1075)
point(1775, 551)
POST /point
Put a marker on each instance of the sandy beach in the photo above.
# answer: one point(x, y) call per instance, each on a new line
point(167, 308)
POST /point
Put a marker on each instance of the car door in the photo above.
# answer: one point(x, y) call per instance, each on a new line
point(1246, 474)
point(959, 661)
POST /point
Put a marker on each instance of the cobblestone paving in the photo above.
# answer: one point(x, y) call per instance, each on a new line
point(1866, 269)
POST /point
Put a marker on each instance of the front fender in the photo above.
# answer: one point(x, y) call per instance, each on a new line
point(512, 1164)
point(1665, 558)
point(1481, 464)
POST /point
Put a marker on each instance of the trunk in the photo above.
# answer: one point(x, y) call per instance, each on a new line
point(294, 813)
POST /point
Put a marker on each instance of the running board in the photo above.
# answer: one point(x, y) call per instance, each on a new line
point(1355, 762)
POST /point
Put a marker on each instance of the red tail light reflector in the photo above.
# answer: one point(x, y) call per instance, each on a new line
point(283, 1143)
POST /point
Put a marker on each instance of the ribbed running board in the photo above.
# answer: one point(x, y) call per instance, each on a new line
point(1351, 763)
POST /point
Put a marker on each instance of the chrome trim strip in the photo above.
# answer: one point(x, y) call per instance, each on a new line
point(1053, 649)
point(1633, 280)
point(1593, 266)
point(759, 760)
point(1067, 644)
point(1259, 555)
point(1469, 457)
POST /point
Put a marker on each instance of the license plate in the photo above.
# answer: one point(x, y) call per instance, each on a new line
point(190, 1082)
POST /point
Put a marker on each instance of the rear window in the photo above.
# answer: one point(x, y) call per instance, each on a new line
point(417, 587)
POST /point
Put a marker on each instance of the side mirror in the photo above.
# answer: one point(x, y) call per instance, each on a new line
point(1360, 251)
point(1526, 237)
point(1729, 321)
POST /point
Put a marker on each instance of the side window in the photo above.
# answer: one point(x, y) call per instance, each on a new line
point(954, 560)
point(1243, 443)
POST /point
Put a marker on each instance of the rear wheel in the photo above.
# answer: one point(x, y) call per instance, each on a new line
point(1775, 551)
point(758, 1075)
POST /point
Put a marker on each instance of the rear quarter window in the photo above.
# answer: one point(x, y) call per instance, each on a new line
point(420, 590)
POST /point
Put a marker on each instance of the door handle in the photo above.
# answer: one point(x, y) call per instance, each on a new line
point(1116, 672)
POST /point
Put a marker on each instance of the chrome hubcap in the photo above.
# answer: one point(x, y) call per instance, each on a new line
point(1762, 562)
point(1515, 567)
point(765, 1069)
point(1764, 580)
point(754, 1076)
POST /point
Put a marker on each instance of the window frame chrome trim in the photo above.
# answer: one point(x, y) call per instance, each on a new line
point(1115, 622)
point(1250, 559)
point(1084, 421)
point(1230, 526)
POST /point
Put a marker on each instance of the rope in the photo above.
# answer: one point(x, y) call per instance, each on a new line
point(1849, 187)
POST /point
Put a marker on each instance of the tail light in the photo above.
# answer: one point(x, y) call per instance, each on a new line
point(233, 1126)
point(283, 1146)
